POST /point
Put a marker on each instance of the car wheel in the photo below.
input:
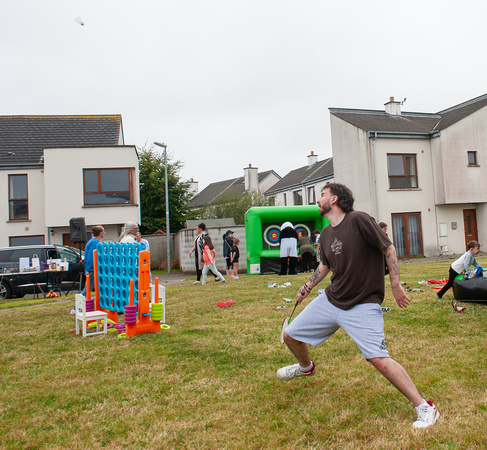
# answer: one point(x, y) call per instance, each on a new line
point(5, 291)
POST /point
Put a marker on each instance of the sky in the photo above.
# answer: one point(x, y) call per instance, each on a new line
point(228, 83)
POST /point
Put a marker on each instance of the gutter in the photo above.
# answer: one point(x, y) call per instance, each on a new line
point(402, 135)
point(22, 166)
point(375, 176)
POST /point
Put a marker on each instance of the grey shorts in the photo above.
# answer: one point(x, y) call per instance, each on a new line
point(364, 323)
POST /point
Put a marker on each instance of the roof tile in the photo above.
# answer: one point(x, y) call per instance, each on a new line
point(23, 138)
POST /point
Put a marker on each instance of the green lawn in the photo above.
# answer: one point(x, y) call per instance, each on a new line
point(209, 381)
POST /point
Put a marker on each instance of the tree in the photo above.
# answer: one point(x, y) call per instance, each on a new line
point(153, 192)
point(232, 204)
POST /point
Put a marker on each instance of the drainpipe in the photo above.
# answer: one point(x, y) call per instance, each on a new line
point(375, 177)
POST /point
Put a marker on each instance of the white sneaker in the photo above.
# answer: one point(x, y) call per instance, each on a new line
point(288, 372)
point(236, 278)
point(427, 415)
point(73, 312)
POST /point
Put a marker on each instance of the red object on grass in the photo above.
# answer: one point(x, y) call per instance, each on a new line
point(443, 280)
point(225, 304)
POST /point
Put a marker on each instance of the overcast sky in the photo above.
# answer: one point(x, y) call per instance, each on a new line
point(228, 83)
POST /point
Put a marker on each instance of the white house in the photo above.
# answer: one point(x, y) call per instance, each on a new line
point(424, 174)
point(303, 186)
point(54, 168)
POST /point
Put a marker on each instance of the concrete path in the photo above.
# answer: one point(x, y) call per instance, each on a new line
point(171, 278)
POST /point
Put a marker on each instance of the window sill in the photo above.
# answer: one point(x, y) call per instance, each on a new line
point(473, 165)
point(117, 205)
point(18, 220)
point(403, 189)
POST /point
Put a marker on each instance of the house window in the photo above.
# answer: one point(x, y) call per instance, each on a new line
point(18, 201)
point(285, 200)
point(311, 195)
point(298, 197)
point(402, 171)
point(472, 158)
point(108, 186)
point(25, 240)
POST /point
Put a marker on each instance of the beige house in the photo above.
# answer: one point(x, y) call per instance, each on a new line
point(54, 168)
point(424, 174)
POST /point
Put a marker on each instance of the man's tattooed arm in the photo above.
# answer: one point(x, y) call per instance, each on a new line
point(400, 296)
point(319, 274)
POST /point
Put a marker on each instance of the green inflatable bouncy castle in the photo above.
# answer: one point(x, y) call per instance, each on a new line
point(263, 227)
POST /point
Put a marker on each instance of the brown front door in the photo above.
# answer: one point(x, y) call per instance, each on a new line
point(470, 225)
point(67, 241)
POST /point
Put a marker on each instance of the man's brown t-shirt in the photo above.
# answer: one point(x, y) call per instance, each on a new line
point(352, 250)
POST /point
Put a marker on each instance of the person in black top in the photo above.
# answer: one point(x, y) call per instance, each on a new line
point(235, 256)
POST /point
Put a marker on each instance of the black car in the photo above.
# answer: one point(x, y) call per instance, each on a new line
point(15, 284)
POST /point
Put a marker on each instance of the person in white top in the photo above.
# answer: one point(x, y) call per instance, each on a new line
point(127, 236)
point(462, 264)
point(141, 240)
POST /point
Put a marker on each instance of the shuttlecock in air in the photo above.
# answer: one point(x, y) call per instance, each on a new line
point(80, 21)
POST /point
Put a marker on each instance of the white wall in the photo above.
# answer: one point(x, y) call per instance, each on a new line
point(457, 181)
point(304, 192)
point(186, 243)
point(420, 200)
point(353, 162)
point(268, 182)
point(35, 224)
point(63, 170)
point(112, 232)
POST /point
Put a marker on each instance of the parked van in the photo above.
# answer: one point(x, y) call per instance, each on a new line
point(16, 284)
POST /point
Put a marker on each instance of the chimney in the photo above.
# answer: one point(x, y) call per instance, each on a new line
point(193, 186)
point(251, 178)
point(312, 159)
point(392, 107)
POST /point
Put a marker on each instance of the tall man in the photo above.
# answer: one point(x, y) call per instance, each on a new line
point(352, 248)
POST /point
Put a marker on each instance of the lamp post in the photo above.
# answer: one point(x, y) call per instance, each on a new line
point(168, 232)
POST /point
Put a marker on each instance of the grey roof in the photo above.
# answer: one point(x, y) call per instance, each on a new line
point(409, 122)
point(456, 113)
point(234, 186)
point(319, 171)
point(370, 120)
point(23, 138)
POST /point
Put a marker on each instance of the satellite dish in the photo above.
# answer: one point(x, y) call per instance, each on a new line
point(80, 21)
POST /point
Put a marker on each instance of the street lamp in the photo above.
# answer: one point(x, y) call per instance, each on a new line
point(168, 232)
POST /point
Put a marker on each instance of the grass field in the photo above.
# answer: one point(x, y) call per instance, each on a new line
point(209, 381)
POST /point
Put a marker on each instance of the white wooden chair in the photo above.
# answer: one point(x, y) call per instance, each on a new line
point(84, 317)
point(162, 299)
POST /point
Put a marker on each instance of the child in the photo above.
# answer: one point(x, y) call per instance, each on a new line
point(462, 264)
point(209, 259)
point(234, 257)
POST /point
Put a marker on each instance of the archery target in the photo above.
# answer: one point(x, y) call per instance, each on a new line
point(300, 227)
point(271, 235)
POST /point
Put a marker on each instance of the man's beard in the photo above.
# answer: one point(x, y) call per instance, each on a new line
point(325, 209)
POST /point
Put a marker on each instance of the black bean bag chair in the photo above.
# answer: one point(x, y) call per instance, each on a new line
point(471, 290)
